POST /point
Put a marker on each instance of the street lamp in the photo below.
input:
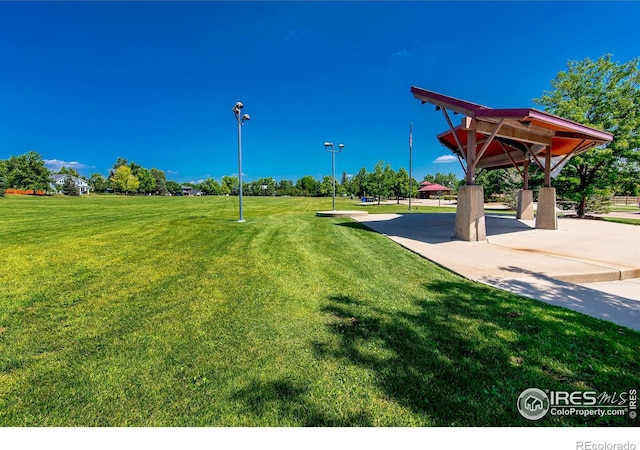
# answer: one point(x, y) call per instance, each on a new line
point(328, 146)
point(237, 109)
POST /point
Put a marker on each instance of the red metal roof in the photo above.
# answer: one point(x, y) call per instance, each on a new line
point(521, 130)
point(429, 187)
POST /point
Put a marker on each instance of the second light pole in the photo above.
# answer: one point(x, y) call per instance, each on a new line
point(328, 146)
point(236, 110)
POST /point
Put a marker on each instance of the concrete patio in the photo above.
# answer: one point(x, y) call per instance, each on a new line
point(589, 266)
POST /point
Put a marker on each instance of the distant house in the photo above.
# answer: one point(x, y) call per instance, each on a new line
point(58, 182)
point(188, 191)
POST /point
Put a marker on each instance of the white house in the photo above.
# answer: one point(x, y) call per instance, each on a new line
point(58, 182)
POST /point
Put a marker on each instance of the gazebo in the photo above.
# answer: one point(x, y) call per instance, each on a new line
point(427, 188)
point(490, 138)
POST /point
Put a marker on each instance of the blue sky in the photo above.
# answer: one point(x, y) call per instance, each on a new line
point(84, 83)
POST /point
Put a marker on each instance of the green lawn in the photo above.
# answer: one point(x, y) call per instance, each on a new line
point(141, 311)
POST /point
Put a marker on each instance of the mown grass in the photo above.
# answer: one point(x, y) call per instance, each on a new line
point(139, 311)
point(625, 220)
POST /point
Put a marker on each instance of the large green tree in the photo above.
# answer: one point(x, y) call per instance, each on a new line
point(360, 183)
point(3, 178)
point(98, 183)
point(147, 181)
point(173, 187)
point(69, 171)
point(209, 187)
point(606, 95)
point(231, 184)
point(123, 180)
point(380, 180)
point(161, 181)
point(69, 186)
point(285, 187)
point(307, 186)
point(27, 171)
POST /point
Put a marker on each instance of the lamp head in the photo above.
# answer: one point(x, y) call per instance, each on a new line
point(245, 117)
point(341, 146)
point(328, 144)
point(237, 107)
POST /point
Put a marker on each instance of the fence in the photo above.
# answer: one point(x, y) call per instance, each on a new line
point(625, 201)
point(23, 192)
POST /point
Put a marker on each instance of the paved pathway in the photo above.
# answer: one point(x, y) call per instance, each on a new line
point(589, 266)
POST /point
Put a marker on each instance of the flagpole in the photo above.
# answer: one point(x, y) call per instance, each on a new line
point(410, 162)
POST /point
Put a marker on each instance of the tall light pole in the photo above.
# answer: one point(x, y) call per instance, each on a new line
point(328, 146)
point(237, 109)
point(410, 162)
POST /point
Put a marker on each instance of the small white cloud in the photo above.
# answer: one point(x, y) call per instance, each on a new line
point(445, 159)
point(401, 53)
point(172, 172)
point(57, 164)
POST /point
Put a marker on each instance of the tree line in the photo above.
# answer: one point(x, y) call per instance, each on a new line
point(28, 172)
point(599, 93)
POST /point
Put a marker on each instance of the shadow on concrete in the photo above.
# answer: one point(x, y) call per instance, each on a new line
point(432, 228)
point(602, 305)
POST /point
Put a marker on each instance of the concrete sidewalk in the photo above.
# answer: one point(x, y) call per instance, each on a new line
point(588, 266)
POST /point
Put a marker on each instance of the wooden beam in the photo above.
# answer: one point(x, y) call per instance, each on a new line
point(512, 160)
point(488, 141)
point(510, 132)
point(453, 130)
point(462, 165)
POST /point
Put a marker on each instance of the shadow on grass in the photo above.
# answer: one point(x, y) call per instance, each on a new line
point(462, 357)
point(284, 402)
point(602, 305)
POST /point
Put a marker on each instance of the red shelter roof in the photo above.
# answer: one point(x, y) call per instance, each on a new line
point(431, 187)
point(504, 136)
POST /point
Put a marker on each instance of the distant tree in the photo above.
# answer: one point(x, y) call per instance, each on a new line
point(606, 95)
point(135, 168)
point(209, 187)
point(173, 187)
point(119, 162)
point(359, 183)
point(69, 186)
point(147, 181)
point(326, 187)
point(69, 171)
point(400, 185)
point(449, 180)
point(308, 186)
point(499, 183)
point(430, 178)
point(161, 181)
point(262, 186)
point(3, 178)
point(224, 189)
point(124, 181)
point(232, 184)
point(98, 183)
point(379, 181)
point(285, 187)
point(27, 171)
